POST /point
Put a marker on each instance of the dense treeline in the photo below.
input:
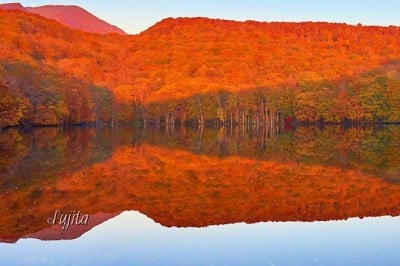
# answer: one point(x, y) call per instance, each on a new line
point(42, 97)
point(46, 100)
point(197, 71)
point(371, 98)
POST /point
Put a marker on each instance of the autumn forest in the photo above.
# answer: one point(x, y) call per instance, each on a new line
point(197, 71)
point(199, 140)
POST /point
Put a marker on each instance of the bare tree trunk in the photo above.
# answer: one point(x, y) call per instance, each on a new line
point(266, 113)
point(144, 115)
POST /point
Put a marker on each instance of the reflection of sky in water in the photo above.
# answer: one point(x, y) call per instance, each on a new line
point(132, 238)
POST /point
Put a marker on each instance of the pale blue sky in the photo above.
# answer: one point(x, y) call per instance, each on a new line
point(135, 16)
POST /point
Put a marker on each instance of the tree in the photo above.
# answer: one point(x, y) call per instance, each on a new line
point(12, 107)
point(374, 103)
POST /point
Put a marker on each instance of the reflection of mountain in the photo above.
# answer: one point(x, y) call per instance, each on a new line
point(178, 188)
point(74, 231)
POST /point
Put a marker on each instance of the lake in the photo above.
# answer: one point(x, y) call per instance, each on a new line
point(181, 196)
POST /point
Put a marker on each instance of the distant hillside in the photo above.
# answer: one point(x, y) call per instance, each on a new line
point(199, 70)
point(76, 18)
point(12, 6)
point(71, 16)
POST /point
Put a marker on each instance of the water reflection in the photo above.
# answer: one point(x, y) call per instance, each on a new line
point(133, 239)
point(190, 178)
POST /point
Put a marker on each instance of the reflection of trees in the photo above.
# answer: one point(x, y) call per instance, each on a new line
point(179, 188)
point(189, 177)
point(47, 152)
point(371, 150)
point(12, 149)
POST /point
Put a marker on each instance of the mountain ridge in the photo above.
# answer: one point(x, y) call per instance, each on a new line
point(200, 69)
point(72, 16)
point(12, 6)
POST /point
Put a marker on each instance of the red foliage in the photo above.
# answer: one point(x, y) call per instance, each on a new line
point(179, 58)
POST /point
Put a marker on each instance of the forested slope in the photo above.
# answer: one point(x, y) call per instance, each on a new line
point(197, 70)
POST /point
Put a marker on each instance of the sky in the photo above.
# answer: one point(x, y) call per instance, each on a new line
point(135, 16)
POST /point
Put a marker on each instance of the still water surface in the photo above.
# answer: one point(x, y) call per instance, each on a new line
point(304, 196)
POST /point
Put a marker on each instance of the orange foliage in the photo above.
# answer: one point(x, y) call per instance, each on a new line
point(245, 54)
point(178, 188)
point(177, 58)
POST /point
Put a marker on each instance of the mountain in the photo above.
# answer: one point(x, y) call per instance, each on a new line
point(69, 15)
point(12, 6)
point(198, 71)
point(76, 18)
